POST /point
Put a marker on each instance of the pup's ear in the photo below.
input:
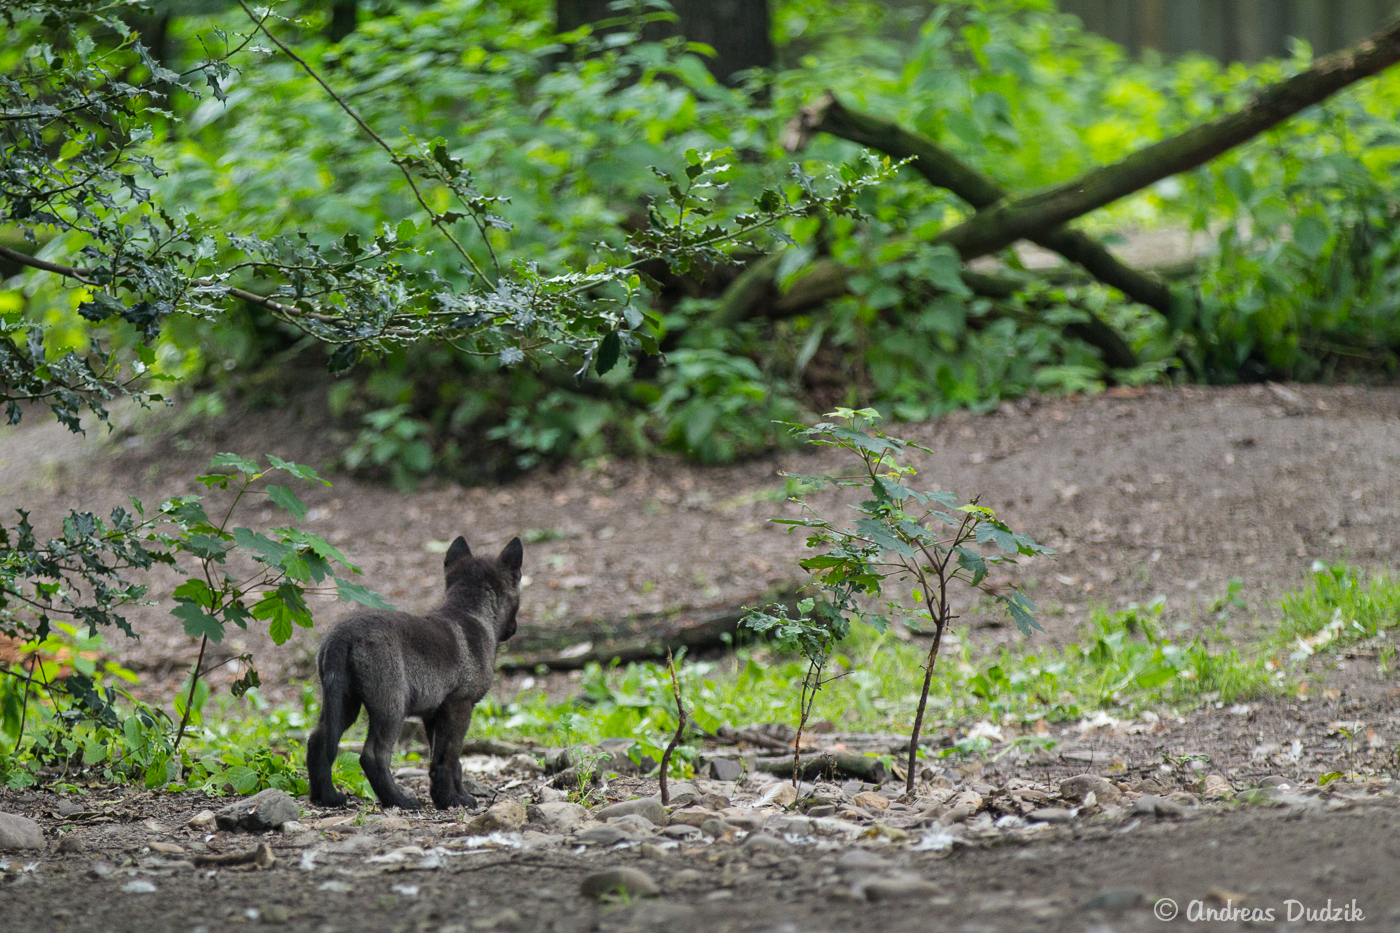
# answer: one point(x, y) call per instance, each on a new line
point(456, 552)
point(512, 556)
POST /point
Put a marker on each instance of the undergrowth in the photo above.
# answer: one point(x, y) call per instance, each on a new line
point(1123, 663)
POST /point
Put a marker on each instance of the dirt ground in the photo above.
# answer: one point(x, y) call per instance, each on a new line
point(1154, 492)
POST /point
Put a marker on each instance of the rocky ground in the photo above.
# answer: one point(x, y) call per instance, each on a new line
point(1145, 493)
point(969, 852)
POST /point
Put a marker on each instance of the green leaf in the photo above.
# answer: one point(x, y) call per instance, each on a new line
point(884, 536)
point(998, 535)
point(287, 500)
point(354, 592)
point(198, 622)
point(267, 550)
point(609, 350)
point(187, 511)
point(297, 470)
point(1021, 610)
point(207, 547)
point(241, 464)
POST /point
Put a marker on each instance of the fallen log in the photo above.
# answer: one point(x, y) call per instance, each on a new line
point(945, 170)
point(828, 765)
point(994, 228)
point(643, 637)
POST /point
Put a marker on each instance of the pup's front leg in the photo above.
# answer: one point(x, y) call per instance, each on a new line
point(445, 733)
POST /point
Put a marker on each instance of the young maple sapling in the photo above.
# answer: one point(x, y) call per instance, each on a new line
point(928, 539)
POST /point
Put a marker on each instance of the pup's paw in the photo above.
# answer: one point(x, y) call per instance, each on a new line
point(336, 799)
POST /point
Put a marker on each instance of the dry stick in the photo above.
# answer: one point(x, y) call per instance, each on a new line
point(675, 739)
point(369, 131)
point(943, 169)
point(997, 227)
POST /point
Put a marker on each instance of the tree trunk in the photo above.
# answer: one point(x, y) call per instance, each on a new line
point(997, 227)
point(738, 30)
point(344, 19)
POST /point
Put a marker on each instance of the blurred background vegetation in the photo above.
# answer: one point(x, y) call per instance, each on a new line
point(1294, 258)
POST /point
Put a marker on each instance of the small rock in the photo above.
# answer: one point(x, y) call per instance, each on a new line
point(1050, 815)
point(681, 831)
point(275, 914)
point(686, 878)
point(691, 816)
point(629, 882)
point(647, 807)
point(902, 886)
point(602, 836)
point(1274, 780)
point(871, 801)
point(138, 886)
point(725, 769)
point(71, 845)
point(562, 816)
point(635, 824)
point(1116, 900)
point(1184, 799)
point(267, 809)
point(263, 857)
point(505, 919)
point(1149, 786)
point(68, 808)
point(759, 842)
point(861, 862)
point(744, 817)
point(715, 828)
point(166, 848)
point(1161, 807)
point(505, 815)
point(651, 850)
point(292, 827)
point(20, 832)
point(779, 794)
point(1076, 789)
point(822, 809)
point(1215, 787)
point(713, 801)
point(390, 824)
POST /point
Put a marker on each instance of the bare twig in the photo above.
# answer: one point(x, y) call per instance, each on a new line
point(675, 739)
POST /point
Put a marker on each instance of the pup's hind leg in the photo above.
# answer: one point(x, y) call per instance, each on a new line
point(322, 748)
point(385, 721)
point(445, 733)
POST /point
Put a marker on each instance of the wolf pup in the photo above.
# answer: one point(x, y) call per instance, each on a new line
point(436, 666)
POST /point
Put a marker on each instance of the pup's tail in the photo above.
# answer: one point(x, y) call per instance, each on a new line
point(333, 665)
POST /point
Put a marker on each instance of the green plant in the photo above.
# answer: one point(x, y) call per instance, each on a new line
point(894, 541)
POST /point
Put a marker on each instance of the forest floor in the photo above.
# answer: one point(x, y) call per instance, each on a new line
point(1170, 492)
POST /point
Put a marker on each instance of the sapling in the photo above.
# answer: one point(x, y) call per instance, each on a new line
point(928, 539)
point(676, 737)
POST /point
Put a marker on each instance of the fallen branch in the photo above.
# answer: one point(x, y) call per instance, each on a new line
point(997, 227)
point(943, 169)
point(846, 765)
point(643, 637)
point(261, 856)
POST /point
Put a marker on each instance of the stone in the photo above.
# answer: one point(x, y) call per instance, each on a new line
point(390, 824)
point(636, 824)
point(1149, 786)
point(647, 807)
point(778, 794)
point(761, 842)
point(681, 831)
point(1116, 900)
point(1183, 799)
point(1274, 780)
point(138, 886)
point(713, 801)
point(275, 914)
point(505, 815)
point(1160, 807)
point(651, 850)
point(715, 828)
point(725, 769)
point(20, 832)
point(1215, 787)
point(1050, 815)
point(602, 836)
point(871, 801)
point(166, 848)
point(71, 845)
point(862, 862)
point(265, 810)
point(901, 886)
point(292, 827)
point(562, 816)
point(691, 816)
point(628, 882)
point(1077, 788)
point(745, 818)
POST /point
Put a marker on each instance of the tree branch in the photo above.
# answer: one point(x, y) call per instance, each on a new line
point(1000, 225)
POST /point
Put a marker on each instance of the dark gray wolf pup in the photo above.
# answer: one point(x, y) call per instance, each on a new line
point(436, 666)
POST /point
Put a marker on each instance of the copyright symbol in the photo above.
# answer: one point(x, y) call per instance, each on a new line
point(1165, 909)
